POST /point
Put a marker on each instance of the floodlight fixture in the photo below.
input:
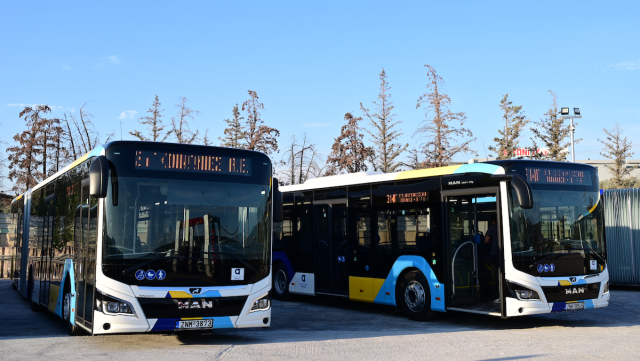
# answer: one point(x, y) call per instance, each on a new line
point(576, 111)
point(564, 111)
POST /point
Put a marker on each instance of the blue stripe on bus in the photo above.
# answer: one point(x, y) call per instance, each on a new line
point(282, 257)
point(561, 306)
point(402, 263)
point(67, 270)
point(169, 324)
point(477, 168)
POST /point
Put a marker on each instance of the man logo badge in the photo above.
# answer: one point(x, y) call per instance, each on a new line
point(572, 279)
point(195, 304)
point(573, 291)
point(195, 291)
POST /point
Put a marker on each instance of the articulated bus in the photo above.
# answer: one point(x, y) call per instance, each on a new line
point(422, 240)
point(143, 236)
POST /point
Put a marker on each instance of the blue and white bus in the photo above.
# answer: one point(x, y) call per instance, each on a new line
point(504, 238)
point(143, 236)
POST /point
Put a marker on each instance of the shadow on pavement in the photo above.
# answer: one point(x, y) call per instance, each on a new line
point(318, 319)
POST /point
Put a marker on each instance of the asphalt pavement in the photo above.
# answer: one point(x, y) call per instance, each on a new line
point(325, 328)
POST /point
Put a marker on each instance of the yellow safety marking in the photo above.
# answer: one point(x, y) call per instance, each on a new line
point(362, 288)
point(190, 318)
point(179, 294)
point(565, 283)
point(429, 172)
point(53, 297)
point(377, 285)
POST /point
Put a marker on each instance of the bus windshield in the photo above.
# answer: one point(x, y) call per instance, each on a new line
point(191, 229)
point(562, 222)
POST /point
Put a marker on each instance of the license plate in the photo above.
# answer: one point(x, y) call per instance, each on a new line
point(575, 306)
point(183, 325)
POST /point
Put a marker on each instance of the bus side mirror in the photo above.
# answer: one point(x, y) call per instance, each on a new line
point(523, 191)
point(98, 177)
point(277, 202)
point(522, 188)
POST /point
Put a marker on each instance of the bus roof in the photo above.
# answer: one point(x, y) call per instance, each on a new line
point(376, 177)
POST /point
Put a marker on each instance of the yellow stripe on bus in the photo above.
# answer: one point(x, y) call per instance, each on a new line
point(179, 294)
point(429, 172)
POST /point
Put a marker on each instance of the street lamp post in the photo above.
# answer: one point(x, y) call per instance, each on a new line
point(564, 114)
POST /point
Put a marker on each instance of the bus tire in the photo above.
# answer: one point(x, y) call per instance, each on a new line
point(414, 297)
point(281, 282)
point(72, 329)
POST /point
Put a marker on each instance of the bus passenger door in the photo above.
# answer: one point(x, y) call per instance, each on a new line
point(323, 246)
point(330, 220)
point(339, 251)
point(463, 264)
point(47, 251)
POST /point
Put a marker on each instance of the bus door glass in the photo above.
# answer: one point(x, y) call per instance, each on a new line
point(331, 247)
point(473, 261)
point(463, 250)
point(323, 245)
point(47, 250)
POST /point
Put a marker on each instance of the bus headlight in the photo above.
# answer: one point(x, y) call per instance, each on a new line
point(605, 288)
point(261, 304)
point(110, 305)
point(522, 292)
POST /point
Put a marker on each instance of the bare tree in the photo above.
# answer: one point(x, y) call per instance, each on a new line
point(414, 160)
point(205, 138)
point(382, 133)
point(439, 124)
point(234, 132)
point(68, 136)
point(257, 136)
point(348, 152)
point(83, 136)
point(153, 123)
point(24, 157)
point(302, 161)
point(180, 124)
point(617, 149)
point(514, 122)
point(552, 133)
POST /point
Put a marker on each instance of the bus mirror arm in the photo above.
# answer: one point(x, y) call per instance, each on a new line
point(521, 186)
point(278, 212)
point(98, 177)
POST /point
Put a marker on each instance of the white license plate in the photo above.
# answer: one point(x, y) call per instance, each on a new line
point(183, 325)
point(575, 306)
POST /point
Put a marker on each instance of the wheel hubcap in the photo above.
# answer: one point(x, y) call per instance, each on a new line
point(281, 282)
point(66, 305)
point(414, 296)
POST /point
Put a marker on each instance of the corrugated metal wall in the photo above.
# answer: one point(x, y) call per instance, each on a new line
point(622, 227)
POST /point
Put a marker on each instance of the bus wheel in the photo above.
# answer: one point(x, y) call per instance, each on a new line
point(72, 329)
point(281, 283)
point(415, 297)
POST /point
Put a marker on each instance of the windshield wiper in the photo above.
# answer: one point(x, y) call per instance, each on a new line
point(597, 255)
point(238, 258)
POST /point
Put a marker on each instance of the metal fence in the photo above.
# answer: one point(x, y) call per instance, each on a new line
point(622, 227)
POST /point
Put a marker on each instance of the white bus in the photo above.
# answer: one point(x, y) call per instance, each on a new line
point(143, 236)
point(505, 238)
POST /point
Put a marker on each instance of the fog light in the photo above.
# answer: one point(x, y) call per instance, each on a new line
point(261, 304)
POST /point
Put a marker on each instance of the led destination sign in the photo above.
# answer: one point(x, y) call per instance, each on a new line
point(558, 176)
point(188, 162)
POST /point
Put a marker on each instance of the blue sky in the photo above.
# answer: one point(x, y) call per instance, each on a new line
point(310, 62)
